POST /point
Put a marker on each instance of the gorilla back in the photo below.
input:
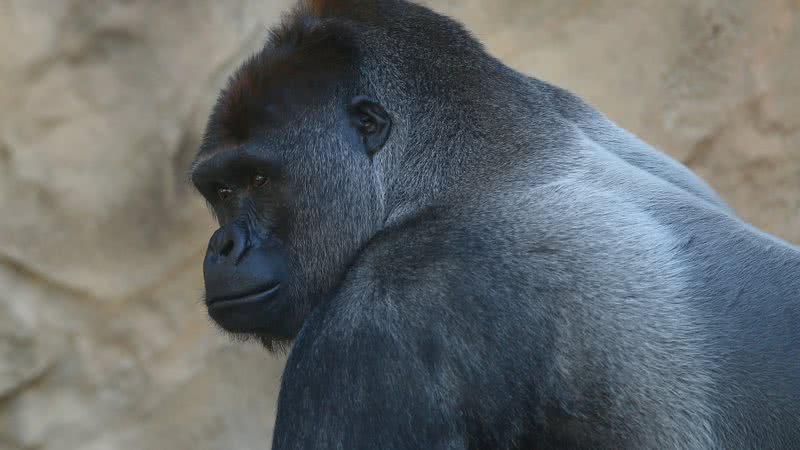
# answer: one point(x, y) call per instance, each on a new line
point(464, 257)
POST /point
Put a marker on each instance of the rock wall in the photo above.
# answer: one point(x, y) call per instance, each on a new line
point(104, 343)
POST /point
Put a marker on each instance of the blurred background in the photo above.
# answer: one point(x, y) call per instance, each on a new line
point(104, 343)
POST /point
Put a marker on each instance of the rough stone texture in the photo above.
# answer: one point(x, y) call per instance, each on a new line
point(103, 341)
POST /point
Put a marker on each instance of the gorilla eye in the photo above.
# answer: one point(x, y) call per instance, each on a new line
point(259, 180)
point(224, 192)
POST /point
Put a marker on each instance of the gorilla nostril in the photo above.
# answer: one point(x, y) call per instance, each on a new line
point(226, 248)
point(218, 241)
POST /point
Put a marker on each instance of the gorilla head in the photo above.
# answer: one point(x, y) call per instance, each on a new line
point(286, 165)
point(293, 161)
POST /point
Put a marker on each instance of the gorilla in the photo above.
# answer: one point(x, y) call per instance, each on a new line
point(459, 256)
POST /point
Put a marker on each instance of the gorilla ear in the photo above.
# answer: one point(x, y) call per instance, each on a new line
point(371, 121)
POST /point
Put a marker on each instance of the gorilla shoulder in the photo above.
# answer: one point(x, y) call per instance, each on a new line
point(461, 257)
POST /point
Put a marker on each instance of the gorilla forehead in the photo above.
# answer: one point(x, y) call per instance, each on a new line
point(301, 64)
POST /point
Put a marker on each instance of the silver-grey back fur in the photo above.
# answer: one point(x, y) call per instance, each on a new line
point(521, 272)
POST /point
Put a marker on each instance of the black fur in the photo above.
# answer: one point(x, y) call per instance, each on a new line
point(511, 270)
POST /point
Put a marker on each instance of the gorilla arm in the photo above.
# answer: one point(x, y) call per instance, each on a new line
point(356, 380)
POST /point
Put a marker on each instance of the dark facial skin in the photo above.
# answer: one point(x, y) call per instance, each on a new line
point(246, 266)
point(266, 267)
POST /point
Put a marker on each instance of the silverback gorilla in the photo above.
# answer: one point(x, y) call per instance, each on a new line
point(460, 256)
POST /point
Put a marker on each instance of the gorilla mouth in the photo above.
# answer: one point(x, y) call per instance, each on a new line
point(254, 296)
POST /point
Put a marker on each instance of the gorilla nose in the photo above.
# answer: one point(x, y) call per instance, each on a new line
point(229, 242)
point(240, 267)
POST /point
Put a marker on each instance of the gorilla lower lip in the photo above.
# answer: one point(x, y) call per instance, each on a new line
point(256, 296)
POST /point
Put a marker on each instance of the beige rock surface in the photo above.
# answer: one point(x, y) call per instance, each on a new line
point(103, 341)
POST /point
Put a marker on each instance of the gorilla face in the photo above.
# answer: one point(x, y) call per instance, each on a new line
point(295, 195)
point(247, 265)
